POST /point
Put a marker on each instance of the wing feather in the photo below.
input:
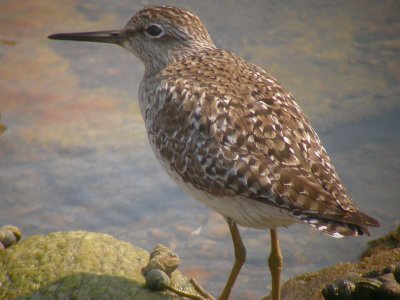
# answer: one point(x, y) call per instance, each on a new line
point(251, 140)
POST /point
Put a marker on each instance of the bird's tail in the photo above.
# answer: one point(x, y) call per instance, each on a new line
point(355, 225)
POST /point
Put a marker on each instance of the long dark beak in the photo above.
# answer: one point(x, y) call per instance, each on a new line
point(108, 36)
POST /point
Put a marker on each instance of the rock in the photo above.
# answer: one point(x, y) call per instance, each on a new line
point(78, 265)
point(396, 273)
point(389, 241)
point(342, 289)
point(162, 258)
point(373, 285)
point(9, 235)
point(378, 273)
point(367, 289)
point(390, 288)
point(330, 291)
point(156, 279)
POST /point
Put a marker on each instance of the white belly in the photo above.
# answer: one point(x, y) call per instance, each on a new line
point(244, 211)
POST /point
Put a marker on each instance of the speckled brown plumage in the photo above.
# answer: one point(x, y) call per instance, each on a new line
point(225, 127)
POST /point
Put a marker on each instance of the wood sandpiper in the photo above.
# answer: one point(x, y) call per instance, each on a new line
point(230, 135)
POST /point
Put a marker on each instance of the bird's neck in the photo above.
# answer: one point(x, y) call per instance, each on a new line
point(171, 55)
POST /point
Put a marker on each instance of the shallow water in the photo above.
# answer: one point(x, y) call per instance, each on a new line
point(75, 153)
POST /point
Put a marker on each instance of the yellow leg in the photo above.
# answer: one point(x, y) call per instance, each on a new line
point(275, 265)
point(240, 258)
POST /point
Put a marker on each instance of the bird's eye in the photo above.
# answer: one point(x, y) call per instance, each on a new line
point(154, 31)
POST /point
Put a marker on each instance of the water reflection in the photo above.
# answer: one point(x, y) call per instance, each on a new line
point(75, 154)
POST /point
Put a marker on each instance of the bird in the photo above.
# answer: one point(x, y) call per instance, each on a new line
point(230, 135)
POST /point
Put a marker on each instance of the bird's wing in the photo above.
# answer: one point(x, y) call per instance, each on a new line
point(258, 143)
point(312, 181)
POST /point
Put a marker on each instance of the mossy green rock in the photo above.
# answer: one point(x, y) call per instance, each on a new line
point(78, 265)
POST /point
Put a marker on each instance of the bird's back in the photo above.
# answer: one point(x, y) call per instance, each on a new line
point(226, 128)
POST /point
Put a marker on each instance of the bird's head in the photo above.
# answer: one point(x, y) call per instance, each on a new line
point(157, 35)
